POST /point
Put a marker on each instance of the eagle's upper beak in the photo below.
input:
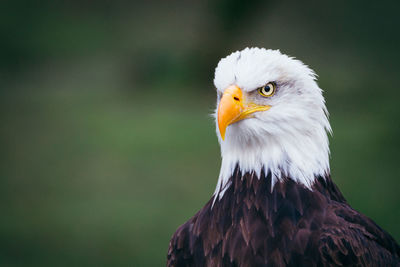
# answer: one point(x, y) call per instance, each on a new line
point(233, 108)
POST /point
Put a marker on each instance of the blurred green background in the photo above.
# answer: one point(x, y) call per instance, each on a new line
point(107, 145)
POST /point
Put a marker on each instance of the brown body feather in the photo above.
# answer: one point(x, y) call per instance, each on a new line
point(291, 225)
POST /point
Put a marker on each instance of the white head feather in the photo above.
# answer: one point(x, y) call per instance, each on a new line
point(290, 139)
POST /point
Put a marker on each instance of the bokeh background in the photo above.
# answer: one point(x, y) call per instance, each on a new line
point(107, 145)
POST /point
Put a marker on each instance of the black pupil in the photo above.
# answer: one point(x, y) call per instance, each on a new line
point(267, 89)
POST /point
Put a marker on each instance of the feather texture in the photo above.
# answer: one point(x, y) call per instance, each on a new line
point(288, 226)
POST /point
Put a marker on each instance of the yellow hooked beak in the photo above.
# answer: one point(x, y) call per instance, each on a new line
point(233, 108)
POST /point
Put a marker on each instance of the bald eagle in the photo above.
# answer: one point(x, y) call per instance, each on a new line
point(275, 203)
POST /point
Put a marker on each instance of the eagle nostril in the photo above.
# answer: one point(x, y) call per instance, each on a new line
point(236, 98)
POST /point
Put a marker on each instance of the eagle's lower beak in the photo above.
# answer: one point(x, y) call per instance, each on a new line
point(233, 108)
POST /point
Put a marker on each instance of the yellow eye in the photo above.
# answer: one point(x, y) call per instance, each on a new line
point(267, 90)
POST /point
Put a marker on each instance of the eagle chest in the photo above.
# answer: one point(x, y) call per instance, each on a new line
point(252, 226)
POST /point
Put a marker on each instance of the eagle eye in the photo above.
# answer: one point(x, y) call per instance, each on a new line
point(267, 90)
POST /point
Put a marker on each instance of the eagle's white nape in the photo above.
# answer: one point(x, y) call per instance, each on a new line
point(288, 140)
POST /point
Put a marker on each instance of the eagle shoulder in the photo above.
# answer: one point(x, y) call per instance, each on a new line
point(178, 252)
point(355, 241)
point(186, 247)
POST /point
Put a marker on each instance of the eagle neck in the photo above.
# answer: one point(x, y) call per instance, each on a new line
point(248, 187)
point(300, 159)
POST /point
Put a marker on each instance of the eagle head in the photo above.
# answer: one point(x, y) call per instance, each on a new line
point(270, 116)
